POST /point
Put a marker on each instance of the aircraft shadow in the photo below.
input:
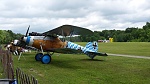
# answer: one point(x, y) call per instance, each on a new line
point(71, 64)
point(91, 60)
point(65, 64)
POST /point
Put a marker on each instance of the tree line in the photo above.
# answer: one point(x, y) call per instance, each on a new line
point(132, 34)
point(6, 36)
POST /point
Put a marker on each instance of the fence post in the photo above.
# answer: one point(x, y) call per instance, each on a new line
point(23, 78)
point(7, 65)
point(8, 68)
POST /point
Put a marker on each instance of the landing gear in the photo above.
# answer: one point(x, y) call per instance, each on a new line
point(38, 56)
point(46, 59)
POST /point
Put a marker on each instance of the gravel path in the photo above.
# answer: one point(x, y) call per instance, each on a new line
point(133, 56)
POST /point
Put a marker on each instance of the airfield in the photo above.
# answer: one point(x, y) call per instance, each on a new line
point(79, 69)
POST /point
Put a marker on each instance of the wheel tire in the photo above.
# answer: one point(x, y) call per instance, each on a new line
point(38, 56)
point(46, 59)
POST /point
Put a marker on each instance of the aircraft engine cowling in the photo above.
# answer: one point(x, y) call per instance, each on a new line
point(28, 40)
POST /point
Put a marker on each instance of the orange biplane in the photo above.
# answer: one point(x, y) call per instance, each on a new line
point(50, 42)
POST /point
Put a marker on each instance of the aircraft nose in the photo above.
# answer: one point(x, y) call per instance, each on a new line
point(15, 42)
point(27, 39)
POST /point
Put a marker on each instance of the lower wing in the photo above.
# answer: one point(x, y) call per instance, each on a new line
point(65, 50)
point(73, 51)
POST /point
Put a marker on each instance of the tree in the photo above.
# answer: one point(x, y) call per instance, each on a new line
point(6, 36)
point(147, 26)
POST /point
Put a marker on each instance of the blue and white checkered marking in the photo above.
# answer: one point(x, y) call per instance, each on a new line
point(90, 47)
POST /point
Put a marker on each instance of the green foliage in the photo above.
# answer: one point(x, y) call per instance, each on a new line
point(6, 36)
point(129, 35)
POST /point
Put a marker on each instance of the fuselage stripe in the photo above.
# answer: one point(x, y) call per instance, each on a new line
point(28, 40)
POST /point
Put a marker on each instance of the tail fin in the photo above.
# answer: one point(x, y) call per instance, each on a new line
point(93, 46)
point(92, 50)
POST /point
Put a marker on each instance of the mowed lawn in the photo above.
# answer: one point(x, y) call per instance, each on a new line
point(79, 69)
point(129, 48)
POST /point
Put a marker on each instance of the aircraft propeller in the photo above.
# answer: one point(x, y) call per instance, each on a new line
point(20, 42)
point(27, 31)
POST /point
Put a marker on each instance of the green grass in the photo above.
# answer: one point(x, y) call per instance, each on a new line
point(129, 48)
point(79, 69)
point(1, 71)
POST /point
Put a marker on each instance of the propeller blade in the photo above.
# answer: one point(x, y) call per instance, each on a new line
point(27, 31)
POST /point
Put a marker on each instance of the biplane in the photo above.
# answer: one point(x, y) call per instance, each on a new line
point(50, 42)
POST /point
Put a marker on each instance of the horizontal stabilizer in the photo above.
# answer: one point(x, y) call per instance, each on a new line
point(93, 54)
point(98, 53)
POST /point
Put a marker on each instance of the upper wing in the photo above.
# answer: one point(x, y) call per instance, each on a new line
point(68, 30)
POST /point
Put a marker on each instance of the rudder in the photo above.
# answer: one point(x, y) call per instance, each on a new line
point(93, 46)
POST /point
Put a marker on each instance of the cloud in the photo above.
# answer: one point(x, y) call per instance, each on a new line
point(97, 15)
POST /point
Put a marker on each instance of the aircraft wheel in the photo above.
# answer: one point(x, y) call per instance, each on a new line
point(38, 56)
point(46, 59)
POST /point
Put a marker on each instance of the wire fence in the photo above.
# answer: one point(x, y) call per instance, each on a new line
point(8, 70)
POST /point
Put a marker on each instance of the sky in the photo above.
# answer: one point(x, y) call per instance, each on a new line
point(96, 15)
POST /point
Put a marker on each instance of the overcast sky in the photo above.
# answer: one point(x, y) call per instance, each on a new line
point(97, 15)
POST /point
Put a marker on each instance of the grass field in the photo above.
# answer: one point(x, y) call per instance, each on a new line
point(129, 48)
point(79, 69)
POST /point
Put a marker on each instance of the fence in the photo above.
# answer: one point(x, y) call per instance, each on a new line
point(8, 70)
point(23, 78)
point(7, 65)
